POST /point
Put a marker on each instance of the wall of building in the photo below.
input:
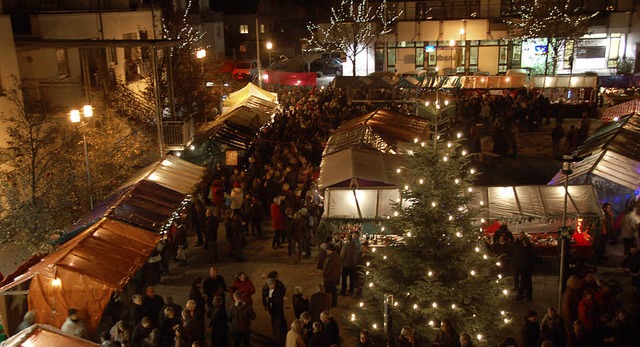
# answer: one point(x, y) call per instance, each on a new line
point(8, 69)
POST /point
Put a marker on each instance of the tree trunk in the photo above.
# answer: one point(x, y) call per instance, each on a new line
point(353, 63)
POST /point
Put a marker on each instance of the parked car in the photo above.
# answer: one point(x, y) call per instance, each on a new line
point(327, 66)
point(242, 70)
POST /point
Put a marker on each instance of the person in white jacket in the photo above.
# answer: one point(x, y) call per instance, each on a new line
point(629, 226)
point(73, 325)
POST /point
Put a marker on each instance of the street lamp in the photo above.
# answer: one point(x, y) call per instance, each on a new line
point(77, 117)
point(564, 233)
point(269, 46)
point(201, 54)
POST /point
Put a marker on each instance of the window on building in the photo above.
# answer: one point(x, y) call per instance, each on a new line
point(423, 11)
point(379, 57)
point(63, 63)
point(568, 55)
point(391, 59)
point(113, 55)
point(473, 56)
point(419, 57)
point(261, 28)
point(587, 52)
point(244, 29)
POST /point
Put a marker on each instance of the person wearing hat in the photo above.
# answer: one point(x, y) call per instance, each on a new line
point(530, 330)
point(331, 273)
point(73, 325)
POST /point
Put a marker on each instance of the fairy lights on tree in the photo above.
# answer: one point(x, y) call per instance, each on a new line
point(441, 268)
point(554, 20)
point(354, 26)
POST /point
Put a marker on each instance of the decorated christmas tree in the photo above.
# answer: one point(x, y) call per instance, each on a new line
point(439, 267)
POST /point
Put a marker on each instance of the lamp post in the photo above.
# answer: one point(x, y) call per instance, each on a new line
point(564, 233)
point(76, 117)
point(201, 54)
point(452, 44)
point(269, 46)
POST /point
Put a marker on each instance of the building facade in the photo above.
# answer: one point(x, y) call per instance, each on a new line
point(465, 37)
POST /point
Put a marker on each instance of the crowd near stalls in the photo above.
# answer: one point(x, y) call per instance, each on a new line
point(276, 181)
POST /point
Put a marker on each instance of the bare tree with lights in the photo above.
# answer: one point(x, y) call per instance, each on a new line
point(434, 264)
point(554, 20)
point(34, 180)
point(354, 26)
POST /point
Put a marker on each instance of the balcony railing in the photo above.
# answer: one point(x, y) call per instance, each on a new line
point(178, 134)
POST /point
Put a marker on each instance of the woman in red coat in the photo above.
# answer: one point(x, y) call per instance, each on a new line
point(244, 286)
point(587, 310)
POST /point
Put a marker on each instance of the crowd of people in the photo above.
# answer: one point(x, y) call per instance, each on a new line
point(276, 180)
point(594, 312)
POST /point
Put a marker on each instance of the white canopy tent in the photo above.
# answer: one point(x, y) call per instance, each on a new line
point(533, 208)
point(171, 172)
point(249, 90)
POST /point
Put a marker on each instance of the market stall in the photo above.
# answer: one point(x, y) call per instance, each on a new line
point(538, 210)
point(610, 161)
point(618, 89)
point(45, 335)
point(84, 272)
point(250, 90)
point(493, 82)
point(570, 96)
point(359, 183)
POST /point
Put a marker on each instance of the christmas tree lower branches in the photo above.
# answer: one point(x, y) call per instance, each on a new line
point(441, 269)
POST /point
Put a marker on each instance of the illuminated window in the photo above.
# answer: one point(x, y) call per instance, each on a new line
point(262, 28)
point(244, 29)
point(63, 63)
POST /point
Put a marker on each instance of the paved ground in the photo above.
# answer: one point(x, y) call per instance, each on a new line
point(262, 259)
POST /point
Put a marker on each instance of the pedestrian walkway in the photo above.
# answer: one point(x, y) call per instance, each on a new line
point(260, 260)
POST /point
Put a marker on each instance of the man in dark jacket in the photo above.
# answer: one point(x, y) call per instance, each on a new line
point(141, 332)
point(152, 304)
point(318, 303)
point(241, 314)
point(274, 303)
point(523, 258)
point(331, 273)
point(330, 326)
point(219, 324)
point(530, 330)
point(348, 260)
point(213, 286)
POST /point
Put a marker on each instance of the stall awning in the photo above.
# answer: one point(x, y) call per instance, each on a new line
point(361, 82)
point(171, 172)
point(535, 202)
point(611, 152)
point(145, 204)
point(253, 112)
point(45, 335)
point(362, 137)
point(621, 110)
point(358, 167)
point(620, 81)
point(544, 82)
point(249, 90)
point(84, 271)
point(392, 126)
point(493, 82)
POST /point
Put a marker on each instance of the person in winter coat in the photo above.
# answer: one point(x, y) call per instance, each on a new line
point(237, 197)
point(211, 234)
point(318, 303)
point(331, 273)
point(245, 287)
point(278, 223)
point(348, 260)
point(240, 315)
point(219, 324)
point(299, 301)
point(330, 326)
point(523, 258)
point(447, 335)
point(587, 310)
point(530, 330)
point(73, 325)
point(571, 298)
point(274, 304)
point(294, 336)
point(256, 215)
point(553, 328)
